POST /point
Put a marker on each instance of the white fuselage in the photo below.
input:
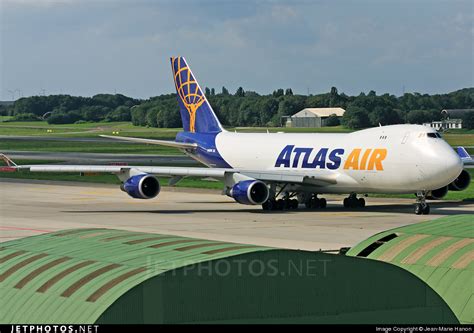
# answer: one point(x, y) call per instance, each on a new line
point(388, 159)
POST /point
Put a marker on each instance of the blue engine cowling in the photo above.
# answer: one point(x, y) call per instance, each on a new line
point(143, 186)
point(250, 192)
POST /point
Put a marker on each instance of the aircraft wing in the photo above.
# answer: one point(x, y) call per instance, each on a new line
point(174, 144)
point(117, 169)
point(320, 179)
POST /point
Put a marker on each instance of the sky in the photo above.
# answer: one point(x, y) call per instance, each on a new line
point(86, 47)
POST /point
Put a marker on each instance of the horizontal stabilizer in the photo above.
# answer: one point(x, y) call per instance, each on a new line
point(174, 144)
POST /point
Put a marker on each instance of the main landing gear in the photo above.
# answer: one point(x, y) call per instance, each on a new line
point(314, 202)
point(421, 207)
point(286, 203)
point(353, 202)
point(291, 201)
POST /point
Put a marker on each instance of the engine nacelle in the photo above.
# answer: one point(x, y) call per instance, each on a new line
point(249, 192)
point(437, 194)
point(142, 186)
point(462, 182)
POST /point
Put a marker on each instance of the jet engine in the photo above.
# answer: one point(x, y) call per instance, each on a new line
point(142, 186)
point(462, 182)
point(249, 192)
point(437, 194)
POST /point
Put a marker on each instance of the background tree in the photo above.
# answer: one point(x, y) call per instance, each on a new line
point(240, 92)
point(278, 93)
point(333, 120)
point(121, 113)
point(245, 108)
point(468, 120)
point(384, 116)
point(423, 116)
point(356, 117)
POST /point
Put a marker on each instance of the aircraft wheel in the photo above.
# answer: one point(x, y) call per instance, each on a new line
point(426, 210)
point(294, 204)
point(322, 203)
point(418, 209)
point(267, 205)
point(280, 204)
point(346, 203)
point(361, 202)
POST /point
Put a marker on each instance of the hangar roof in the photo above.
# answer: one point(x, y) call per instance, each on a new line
point(117, 276)
point(440, 252)
point(452, 113)
point(319, 112)
point(74, 275)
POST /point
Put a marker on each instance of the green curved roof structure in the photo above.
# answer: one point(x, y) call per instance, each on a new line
point(439, 252)
point(118, 276)
point(65, 263)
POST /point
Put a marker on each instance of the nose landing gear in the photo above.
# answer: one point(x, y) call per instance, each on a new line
point(421, 207)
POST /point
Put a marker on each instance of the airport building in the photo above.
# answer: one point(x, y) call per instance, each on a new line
point(312, 117)
point(445, 124)
point(452, 119)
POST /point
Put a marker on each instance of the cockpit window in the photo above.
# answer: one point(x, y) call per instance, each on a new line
point(432, 135)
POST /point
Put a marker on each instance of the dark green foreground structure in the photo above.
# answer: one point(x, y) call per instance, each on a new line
point(116, 276)
point(439, 252)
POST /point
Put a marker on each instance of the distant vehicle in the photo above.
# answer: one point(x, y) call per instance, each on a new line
point(282, 170)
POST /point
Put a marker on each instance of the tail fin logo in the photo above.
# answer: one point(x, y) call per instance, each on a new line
point(188, 89)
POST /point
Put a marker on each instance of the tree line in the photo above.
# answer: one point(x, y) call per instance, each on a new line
point(245, 108)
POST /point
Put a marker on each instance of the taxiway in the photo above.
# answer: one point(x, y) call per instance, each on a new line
point(32, 207)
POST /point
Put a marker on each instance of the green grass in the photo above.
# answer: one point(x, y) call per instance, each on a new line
point(127, 129)
point(460, 131)
point(40, 128)
point(459, 139)
point(333, 129)
point(5, 118)
point(84, 130)
point(87, 147)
